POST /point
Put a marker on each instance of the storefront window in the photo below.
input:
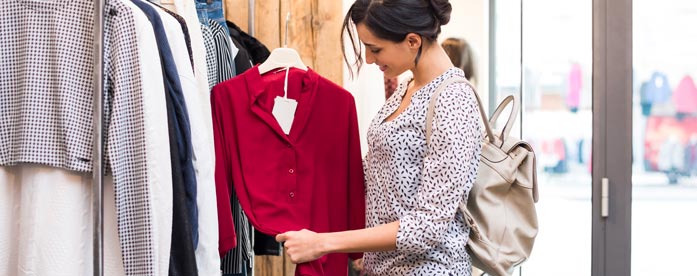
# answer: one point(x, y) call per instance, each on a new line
point(556, 119)
point(664, 170)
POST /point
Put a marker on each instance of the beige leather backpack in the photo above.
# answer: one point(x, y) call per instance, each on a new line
point(500, 208)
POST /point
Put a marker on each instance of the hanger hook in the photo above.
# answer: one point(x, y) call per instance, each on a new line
point(285, 42)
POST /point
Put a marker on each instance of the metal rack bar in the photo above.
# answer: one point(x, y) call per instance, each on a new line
point(250, 18)
point(250, 31)
point(98, 138)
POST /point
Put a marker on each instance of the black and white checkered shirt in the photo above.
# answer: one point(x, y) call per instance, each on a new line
point(46, 113)
point(211, 61)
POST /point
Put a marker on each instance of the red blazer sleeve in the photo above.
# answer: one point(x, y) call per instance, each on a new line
point(356, 184)
point(223, 178)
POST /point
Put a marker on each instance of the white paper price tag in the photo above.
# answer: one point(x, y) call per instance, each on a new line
point(284, 111)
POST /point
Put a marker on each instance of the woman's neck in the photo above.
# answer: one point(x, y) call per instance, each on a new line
point(432, 63)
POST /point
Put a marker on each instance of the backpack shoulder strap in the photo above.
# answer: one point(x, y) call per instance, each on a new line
point(432, 106)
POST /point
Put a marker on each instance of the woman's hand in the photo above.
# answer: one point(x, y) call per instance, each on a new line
point(302, 246)
point(306, 246)
point(358, 264)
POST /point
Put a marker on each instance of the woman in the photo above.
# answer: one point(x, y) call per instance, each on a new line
point(462, 56)
point(413, 189)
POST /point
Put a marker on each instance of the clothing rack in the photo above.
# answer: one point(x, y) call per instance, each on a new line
point(98, 138)
point(250, 31)
point(250, 18)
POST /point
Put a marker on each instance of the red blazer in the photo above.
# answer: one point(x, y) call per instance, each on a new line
point(311, 178)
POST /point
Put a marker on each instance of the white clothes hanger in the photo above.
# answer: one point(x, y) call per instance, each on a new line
point(285, 58)
point(282, 57)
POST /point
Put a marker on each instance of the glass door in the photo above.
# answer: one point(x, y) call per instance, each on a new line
point(664, 138)
point(610, 106)
point(543, 54)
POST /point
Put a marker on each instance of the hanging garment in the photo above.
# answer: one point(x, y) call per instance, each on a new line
point(47, 106)
point(257, 51)
point(45, 221)
point(182, 251)
point(187, 10)
point(235, 260)
point(671, 154)
point(224, 56)
point(205, 230)
point(185, 31)
point(185, 75)
point(691, 156)
point(266, 245)
point(573, 97)
point(211, 10)
point(685, 96)
point(182, 261)
point(158, 162)
point(35, 198)
point(283, 182)
point(243, 61)
point(211, 61)
point(644, 100)
point(263, 244)
point(64, 200)
point(182, 119)
point(658, 89)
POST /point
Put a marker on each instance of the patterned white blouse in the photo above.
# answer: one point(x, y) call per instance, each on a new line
point(421, 185)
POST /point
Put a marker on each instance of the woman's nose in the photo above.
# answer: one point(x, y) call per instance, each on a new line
point(369, 58)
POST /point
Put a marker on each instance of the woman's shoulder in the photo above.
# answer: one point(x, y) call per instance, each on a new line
point(458, 91)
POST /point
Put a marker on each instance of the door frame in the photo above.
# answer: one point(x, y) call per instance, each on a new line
point(612, 136)
point(612, 130)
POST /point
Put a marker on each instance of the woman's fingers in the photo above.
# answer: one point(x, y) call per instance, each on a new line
point(300, 246)
point(282, 237)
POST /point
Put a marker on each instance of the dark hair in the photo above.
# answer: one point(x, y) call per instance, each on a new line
point(393, 19)
point(462, 56)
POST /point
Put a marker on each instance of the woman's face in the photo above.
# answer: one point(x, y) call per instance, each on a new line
point(394, 58)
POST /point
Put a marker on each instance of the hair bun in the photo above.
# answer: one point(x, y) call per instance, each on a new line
point(442, 10)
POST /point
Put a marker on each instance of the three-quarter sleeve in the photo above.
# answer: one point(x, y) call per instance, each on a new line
point(448, 173)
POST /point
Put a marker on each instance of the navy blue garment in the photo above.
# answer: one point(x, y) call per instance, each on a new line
point(183, 129)
point(182, 259)
point(183, 246)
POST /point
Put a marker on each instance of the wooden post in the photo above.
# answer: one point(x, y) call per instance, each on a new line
point(268, 26)
point(327, 31)
point(270, 266)
point(237, 11)
point(314, 31)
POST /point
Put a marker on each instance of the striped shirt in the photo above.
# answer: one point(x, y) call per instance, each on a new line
point(224, 56)
point(236, 260)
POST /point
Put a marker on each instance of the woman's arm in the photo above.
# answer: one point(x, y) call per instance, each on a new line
point(450, 167)
point(305, 245)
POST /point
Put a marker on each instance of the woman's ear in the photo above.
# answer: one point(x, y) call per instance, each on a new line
point(413, 41)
